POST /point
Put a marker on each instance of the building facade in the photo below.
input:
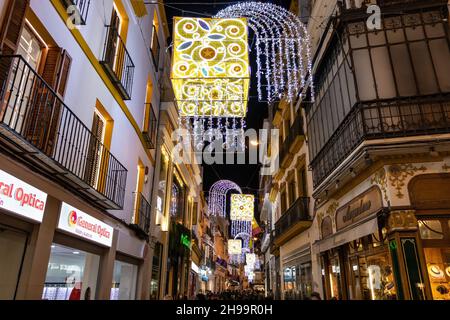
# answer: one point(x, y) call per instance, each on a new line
point(375, 140)
point(78, 113)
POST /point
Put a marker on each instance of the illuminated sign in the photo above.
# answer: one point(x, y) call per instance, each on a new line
point(21, 198)
point(184, 240)
point(85, 226)
point(234, 246)
point(242, 207)
point(210, 68)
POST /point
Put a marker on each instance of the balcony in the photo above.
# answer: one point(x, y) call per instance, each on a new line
point(82, 9)
point(117, 63)
point(37, 128)
point(383, 119)
point(142, 211)
point(150, 130)
point(293, 142)
point(155, 48)
point(294, 221)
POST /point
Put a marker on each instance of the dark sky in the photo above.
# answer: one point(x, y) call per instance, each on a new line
point(246, 176)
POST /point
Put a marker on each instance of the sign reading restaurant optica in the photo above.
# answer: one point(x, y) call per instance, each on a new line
point(21, 198)
point(85, 226)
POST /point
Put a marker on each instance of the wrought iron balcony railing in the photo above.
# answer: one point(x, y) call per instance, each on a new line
point(37, 126)
point(296, 213)
point(142, 211)
point(155, 48)
point(117, 62)
point(383, 119)
point(82, 7)
point(151, 127)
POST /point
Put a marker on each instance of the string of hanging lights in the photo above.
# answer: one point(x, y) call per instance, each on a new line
point(283, 52)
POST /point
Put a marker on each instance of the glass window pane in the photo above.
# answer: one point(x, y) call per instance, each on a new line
point(71, 274)
point(430, 229)
point(383, 73)
point(364, 77)
point(124, 281)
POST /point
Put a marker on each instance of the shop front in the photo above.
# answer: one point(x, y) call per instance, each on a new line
point(430, 200)
point(80, 245)
point(356, 258)
point(297, 274)
point(22, 207)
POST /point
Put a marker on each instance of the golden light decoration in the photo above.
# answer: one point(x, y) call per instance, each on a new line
point(210, 68)
point(234, 247)
point(242, 207)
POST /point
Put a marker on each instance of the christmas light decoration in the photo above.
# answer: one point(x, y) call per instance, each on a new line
point(250, 259)
point(283, 53)
point(211, 78)
point(241, 215)
point(234, 247)
point(242, 207)
point(217, 202)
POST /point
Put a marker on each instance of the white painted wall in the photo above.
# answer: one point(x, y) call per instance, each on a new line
point(85, 86)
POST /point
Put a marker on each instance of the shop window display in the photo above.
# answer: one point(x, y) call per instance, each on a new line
point(124, 281)
point(71, 274)
point(434, 235)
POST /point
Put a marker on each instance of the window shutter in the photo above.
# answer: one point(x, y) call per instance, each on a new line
point(63, 73)
point(52, 65)
point(94, 160)
point(12, 25)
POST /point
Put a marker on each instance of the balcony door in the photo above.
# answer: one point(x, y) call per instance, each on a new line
point(95, 151)
point(30, 48)
point(113, 54)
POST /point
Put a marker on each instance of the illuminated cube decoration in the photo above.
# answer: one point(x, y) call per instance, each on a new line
point(250, 259)
point(234, 247)
point(242, 207)
point(210, 68)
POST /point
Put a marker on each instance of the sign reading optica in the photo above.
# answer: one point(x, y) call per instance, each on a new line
point(85, 226)
point(21, 198)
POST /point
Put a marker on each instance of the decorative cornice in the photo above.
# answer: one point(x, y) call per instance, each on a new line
point(398, 173)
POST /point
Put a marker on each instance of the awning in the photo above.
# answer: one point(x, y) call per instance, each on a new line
point(365, 228)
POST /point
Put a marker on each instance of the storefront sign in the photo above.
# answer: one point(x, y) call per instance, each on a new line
point(362, 206)
point(185, 240)
point(195, 268)
point(21, 198)
point(85, 226)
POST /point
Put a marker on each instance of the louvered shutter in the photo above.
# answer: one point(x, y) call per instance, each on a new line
point(12, 26)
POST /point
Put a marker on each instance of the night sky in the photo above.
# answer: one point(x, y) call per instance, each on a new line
point(246, 176)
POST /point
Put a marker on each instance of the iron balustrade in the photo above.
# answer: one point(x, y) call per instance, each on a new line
point(142, 210)
point(155, 48)
point(82, 7)
point(32, 112)
point(294, 131)
point(151, 127)
point(382, 119)
point(117, 62)
point(296, 213)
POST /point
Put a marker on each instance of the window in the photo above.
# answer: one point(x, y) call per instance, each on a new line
point(124, 281)
point(155, 46)
point(93, 164)
point(302, 182)
point(71, 274)
point(161, 193)
point(292, 192)
point(156, 272)
point(430, 229)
